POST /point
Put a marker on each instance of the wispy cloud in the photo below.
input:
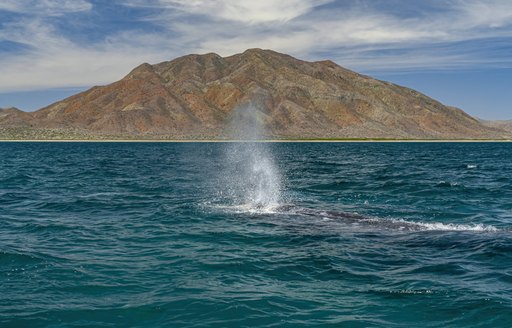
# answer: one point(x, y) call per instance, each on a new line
point(364, 35)
point(247, 11)
point(45, 7)
point(55, 61)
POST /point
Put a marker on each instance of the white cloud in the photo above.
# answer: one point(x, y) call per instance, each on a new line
point(45, 7)
point(10, 5)
point(490, 14)
point(246, 11)
point(354, 31)
point(73, 67)
point(363, 38)
point(249, 11)
point(55, 61)
point(307, 31)
point(52, 60)
point(57, 7)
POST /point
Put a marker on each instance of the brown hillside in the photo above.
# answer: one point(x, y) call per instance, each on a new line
point(195, 96)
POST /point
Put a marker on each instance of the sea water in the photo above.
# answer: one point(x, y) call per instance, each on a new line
point(255, 234)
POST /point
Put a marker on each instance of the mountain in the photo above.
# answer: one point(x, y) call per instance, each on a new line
point(12, 116)
point(200, 96)
point(8, 111)
point(503, 125)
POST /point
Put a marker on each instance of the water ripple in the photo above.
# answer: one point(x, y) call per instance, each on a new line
point(360, 235)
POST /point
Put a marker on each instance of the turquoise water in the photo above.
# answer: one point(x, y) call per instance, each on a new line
point(255, 235)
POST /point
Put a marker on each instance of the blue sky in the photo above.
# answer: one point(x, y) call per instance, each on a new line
point(457, 51)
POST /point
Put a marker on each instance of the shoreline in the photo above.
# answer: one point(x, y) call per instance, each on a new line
point(263, 141)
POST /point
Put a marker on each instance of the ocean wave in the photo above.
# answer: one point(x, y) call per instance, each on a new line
point(17, 258)
point(447, 184)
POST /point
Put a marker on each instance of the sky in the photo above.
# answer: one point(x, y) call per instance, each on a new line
point(456, 51)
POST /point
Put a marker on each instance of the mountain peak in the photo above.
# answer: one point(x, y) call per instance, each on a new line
point(261, 52)
point(10, 110)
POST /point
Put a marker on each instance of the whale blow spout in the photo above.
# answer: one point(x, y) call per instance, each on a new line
point(252, 178)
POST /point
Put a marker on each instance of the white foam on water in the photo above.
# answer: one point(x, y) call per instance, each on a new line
point(248, 208)
point(412, 291)
point(438, 226)
point(364, 222)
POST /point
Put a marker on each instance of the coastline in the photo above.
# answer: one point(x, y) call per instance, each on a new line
point(264, 140)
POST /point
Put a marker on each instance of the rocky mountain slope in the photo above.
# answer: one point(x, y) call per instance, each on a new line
point(199, 96)
point(503, 125)
point(13, 116)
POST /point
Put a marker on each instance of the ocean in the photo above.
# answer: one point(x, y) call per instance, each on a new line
point(255, 234)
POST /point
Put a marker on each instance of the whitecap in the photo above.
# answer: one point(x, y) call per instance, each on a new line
point(438, 226)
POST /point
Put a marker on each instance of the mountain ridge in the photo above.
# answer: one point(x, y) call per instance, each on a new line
point(196, 96)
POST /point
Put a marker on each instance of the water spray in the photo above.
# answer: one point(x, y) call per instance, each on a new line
point(252, 181)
